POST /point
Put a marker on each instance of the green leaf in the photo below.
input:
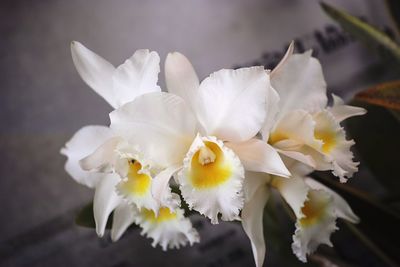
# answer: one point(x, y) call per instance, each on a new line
point(386, 95)
point(366, 33)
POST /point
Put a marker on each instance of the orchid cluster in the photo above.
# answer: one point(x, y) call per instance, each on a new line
point(225, 142)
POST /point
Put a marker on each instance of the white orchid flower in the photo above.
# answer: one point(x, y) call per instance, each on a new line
point(303, 126)
point(137, 76)
point(137, 173)
point(84, 142)
point(99, 158)
point(206, 132)
point(167, 229)
point(315, 206)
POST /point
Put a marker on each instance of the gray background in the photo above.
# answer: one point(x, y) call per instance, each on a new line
point(43, 102)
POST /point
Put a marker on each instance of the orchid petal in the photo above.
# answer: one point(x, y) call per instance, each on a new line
point(317, 225)
point(83, 143)
point(138, 75)
point(294, 191)
point(105, 201)
point(213, 185)
point(169, 229)
point(272, 110)
point(303, 153)
point(297, 126)
point(253, 181)
point(160, 123)
point(123, 217)
point(181, 78)
point(342, 208)
point(300, 84)
point(335, 146)
point(231, 103)
point(135, 185)
point(252, 222)
point(341, 111)
point(95, 71)
point(160, 188)
point(288, 54)
point(258, 156)
point(102, 156)
point(299, 156)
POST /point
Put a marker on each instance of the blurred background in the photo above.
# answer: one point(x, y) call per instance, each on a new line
point(43, 102)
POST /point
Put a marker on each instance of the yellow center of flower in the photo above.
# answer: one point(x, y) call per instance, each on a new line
point(328, 138)
point(275, 137)
point(208, 167)
point(137, 183)
point(313, 211)
point(164, 214)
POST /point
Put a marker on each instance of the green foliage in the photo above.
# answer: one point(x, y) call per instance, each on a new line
point(364, 32)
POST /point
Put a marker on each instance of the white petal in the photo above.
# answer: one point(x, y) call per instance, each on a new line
point(298, 126)
point(317, 227)
point(272, 110)
point(304, 154)
point(102, 156)
point(231, 103)
point(299, 156)
point(252, 222)
point(168, 229)
point(258, 156)
point(252, 182)
point(105, 201)
point(135, 187)
point(337, 100)
point(215, 187)
point(95, 71)
point(294, 191)
point(84, 142)
point(335, 147)
point(160, 123)
point(123, 217)
point(138, 75)
point(342, 208)
point(160, 188)
point(300, 84)
point(288, 54)
point(341, 111)
point(181, 78)
point(297, 168)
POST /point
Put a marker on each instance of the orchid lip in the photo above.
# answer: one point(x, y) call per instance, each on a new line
point(209, 168)
point(137, 182)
